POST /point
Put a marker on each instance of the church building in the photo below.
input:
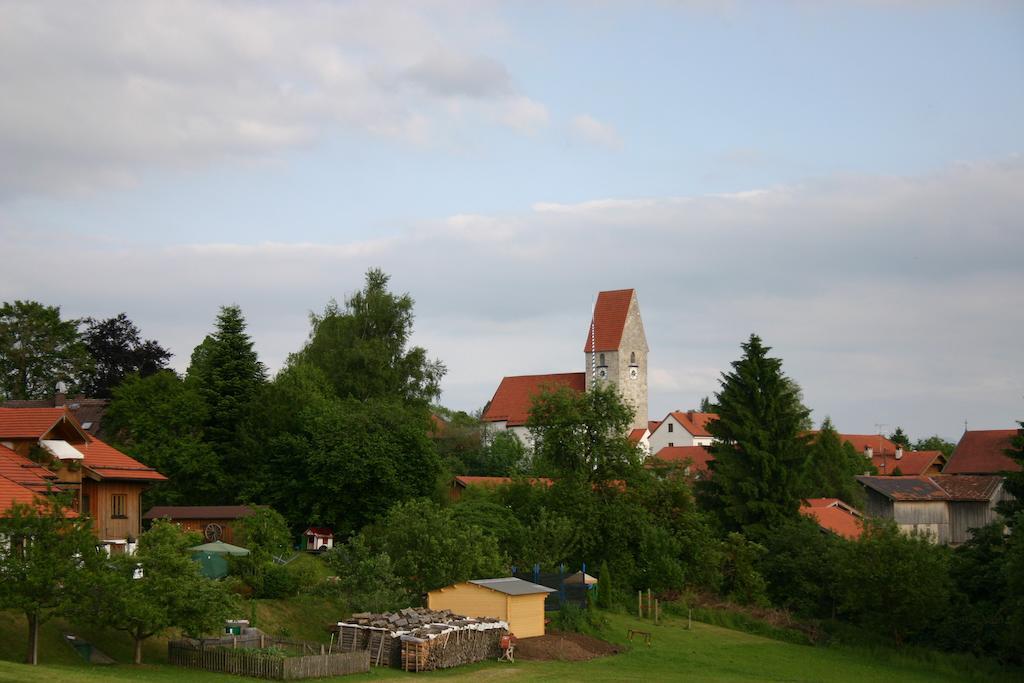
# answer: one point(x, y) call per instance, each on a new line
point(615, 352)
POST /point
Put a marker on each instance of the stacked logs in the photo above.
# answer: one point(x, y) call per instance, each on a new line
point(417, 639)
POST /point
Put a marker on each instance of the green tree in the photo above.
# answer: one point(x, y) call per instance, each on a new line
point(582, 435)
point(228, 375)
point(363, 347)
point(935, 443)
point(159, 421)
point(39, 351)
point(1013, 481)
point(741, 580)
point(760, 452)
point(367, 577)
point(158, 588)
point(605, 585)
point(893, 583)
point(799, 568)
point(118, 350)
point(431, 549)
point(46, 560)
point(266, 533)
point(900, 438)
point(832, 467)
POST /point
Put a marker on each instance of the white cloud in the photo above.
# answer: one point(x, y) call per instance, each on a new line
point(891, 300)
point(588, 129)
point(95, 93)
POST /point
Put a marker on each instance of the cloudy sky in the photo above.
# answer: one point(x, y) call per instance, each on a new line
point(845, 180)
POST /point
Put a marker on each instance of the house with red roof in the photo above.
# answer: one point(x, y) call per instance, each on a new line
point(615, 352)
point(983, 452)
point(682, 428)
point(692, 461)
point(50, 449)
point(834, 516)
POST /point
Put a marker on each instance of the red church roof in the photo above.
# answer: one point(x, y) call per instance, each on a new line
point(983, 452)
point(514, 396)
point(609, 321)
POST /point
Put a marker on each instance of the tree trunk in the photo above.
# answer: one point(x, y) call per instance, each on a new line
point(137, 659)
point(33, 638)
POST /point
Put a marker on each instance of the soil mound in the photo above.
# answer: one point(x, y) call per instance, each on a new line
point(566, 647)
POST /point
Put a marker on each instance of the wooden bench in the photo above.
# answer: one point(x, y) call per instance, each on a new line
point(645, 634)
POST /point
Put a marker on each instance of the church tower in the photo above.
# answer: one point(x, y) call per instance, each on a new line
point(616, 349)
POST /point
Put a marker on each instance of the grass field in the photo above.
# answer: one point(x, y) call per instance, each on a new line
point(706, 653)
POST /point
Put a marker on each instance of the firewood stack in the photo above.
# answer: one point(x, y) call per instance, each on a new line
point(418, 639)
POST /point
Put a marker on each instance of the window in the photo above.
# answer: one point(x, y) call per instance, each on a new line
point(632, 357)
point(119, 506)
point(601, 361)
point(670, 426)
point(670, 444)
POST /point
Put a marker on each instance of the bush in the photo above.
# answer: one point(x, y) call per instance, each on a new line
point(278, 582)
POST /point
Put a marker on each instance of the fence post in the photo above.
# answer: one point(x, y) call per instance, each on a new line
point(640, 604)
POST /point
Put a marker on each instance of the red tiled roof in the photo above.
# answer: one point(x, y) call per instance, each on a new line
point(878, 443)
point(982, 452)
point(694, 422)
point(24, 472)
point(652, 425)
point(12, 493)
point(697, 456)
point(833, 515)
point(319, 531)
point(30, 423)
point(173, 512)
point(110, 463)
point(88, 411)
point(636, 435)
point(911, 462)
point(609, 321)
point(514, 396)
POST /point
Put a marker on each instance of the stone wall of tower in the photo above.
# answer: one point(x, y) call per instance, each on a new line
point(633, 341)
point(634, 391)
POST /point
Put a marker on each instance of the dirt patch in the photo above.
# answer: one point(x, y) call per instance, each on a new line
point(566, 647)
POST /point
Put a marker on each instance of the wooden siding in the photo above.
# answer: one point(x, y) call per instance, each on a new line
point(100, 500)
point(199, 526)
point(924, 517)
point(524, 613)
point(469, 600)
point(877, 505)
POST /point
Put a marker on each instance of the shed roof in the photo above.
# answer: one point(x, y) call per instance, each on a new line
point(609, 321)
point(833, 515)
point(961, 487)
point(199, 512)
point(983, 451)
point(510, 585)
point(514, 396)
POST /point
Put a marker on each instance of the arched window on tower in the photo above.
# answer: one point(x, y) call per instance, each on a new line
point(601, 360)
point(632, 357)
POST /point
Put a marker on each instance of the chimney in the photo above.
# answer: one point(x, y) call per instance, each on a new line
point(689, 414)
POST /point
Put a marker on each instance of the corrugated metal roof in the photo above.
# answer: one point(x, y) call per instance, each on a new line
point(958, 487)
point(510, 585)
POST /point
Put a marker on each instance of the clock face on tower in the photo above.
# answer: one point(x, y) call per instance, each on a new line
point(633, 373)
point(602, 373)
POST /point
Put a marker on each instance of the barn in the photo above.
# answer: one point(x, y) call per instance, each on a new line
point(518, 602)
point(214, 522)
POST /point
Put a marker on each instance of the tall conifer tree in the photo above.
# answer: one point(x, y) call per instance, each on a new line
point(760, 451)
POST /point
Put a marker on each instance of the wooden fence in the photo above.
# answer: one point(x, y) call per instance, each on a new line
point(245, 661)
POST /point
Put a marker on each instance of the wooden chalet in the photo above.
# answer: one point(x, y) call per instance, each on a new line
point(50, 451)
point(214, 522)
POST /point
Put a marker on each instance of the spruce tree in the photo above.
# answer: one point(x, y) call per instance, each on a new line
point(832, 467)
point(1013, 482)
point(760, 452)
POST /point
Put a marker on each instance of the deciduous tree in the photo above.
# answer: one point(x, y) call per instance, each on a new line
point(39, 351)
point(118, 350)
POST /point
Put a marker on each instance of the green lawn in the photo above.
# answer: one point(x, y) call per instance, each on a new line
point(707, 653)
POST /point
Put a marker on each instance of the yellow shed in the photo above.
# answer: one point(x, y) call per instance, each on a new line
point(518, 602)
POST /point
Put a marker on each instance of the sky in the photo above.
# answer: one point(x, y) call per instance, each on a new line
point(845, 179)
